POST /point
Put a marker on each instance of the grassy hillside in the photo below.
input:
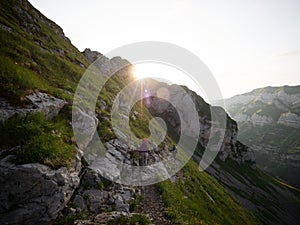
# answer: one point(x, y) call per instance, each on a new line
point(196, 198)
point(35, 54)
point(275, 201)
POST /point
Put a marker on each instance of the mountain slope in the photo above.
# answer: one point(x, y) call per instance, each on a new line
point(35, 54)
point(38, 60)
point(269, 121)
point(196, 198)
point(272, 201)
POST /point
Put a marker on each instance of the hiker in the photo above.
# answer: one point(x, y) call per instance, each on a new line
point(156, 153)
point(144, 152)
point(174, 151)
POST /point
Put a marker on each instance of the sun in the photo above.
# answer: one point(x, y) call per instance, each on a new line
point(167, 74)
point(142, 71)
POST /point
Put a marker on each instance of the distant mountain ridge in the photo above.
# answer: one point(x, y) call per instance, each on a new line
point(267, 106)
point(269, 123)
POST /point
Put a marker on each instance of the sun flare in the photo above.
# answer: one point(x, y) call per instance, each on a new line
point(142, 71)
point(165, 73)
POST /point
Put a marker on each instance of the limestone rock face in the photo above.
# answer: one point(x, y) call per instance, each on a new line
point(96, 194)
point(85, 124)
point(290, 119)
point(39, 102)
point(47, 104)
point(107, 66)
point(229, 148)
point(91, 55)
point(261, 120)
point(268, 105)
point(33, 193)
point(266, 96)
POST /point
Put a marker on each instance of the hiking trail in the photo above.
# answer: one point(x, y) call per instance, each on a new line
point(152, 205)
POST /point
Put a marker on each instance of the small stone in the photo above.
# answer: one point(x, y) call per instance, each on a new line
point(126, 196)
point(80, 204)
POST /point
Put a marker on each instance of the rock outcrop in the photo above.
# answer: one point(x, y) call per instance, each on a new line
point(257, 119)
point(108, 66)
point(96, 194)
point(34, 193)
point(290, 119)
point(85, 125)
point(38, 102)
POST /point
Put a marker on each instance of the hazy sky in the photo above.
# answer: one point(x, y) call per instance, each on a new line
point(245, 43)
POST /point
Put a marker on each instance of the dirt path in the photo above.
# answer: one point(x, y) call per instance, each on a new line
point(153, 206)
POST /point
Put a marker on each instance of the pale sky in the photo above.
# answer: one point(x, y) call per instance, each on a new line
point(246, 44)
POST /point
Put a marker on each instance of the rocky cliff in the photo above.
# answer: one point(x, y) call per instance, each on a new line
point(35, 193)
point(230, 148)
point(268, 120)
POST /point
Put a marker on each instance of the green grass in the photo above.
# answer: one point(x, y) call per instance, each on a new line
point(39, 140)
point(199, 199)
point(245, 174)
point(35, 56)
point(134, 204)
point(273, 189)
point(70, 219)
point(24, 64)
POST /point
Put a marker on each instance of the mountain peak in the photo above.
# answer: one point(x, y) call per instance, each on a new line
point(92, 55)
